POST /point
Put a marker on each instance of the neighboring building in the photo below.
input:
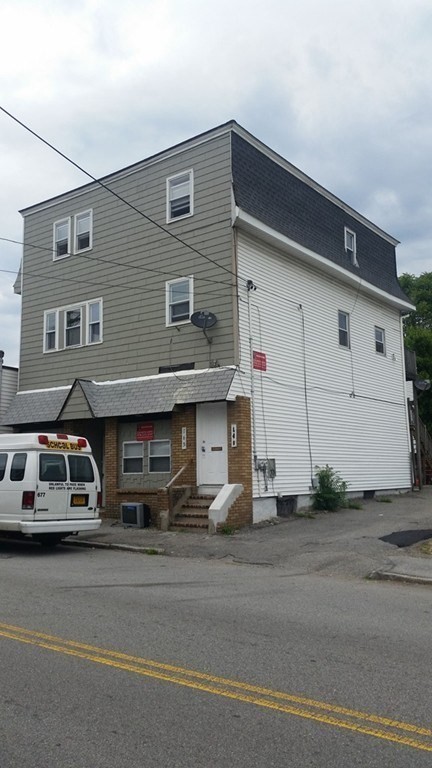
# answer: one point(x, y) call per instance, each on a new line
point(293, 358)
point(8, 388)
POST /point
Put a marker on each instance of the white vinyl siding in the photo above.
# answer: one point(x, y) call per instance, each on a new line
point(179, 300)
point(9, 386)
point(83, 231)
point(62, 245)
point(319, 403)
point(180, 196)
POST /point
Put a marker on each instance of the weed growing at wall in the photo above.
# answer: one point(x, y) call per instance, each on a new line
point(330, 494)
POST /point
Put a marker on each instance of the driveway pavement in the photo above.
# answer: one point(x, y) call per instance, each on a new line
point(347, 543)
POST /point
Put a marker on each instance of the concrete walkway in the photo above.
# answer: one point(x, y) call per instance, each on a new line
point(346, 543)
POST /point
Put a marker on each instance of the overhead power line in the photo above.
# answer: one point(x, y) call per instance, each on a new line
point(119, 197)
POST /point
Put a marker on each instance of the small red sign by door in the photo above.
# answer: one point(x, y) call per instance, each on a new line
point(145, 432)
point(259, 361)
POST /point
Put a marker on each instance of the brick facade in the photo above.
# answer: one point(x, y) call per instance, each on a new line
point(182, 455)
point(240, 461)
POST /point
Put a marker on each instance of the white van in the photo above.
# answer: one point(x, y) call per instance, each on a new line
point(49, 486)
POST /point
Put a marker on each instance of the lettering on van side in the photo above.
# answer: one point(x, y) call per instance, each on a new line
point(63, 445)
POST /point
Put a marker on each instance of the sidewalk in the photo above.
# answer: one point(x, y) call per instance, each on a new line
point(347, 542)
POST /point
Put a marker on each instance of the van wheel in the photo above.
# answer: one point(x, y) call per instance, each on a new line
point(48, 540)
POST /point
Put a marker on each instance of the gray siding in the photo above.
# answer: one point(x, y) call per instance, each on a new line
point(136, 340)
point(76, 407)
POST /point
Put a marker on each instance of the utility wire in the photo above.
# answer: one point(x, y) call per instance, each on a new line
point(115, 194)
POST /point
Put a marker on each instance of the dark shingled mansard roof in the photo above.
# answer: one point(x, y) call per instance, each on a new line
point(297, 209)
point(158, 394)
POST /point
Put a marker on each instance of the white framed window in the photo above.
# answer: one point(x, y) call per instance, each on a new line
point(179, 300)
point(94, 322)
point(62, 234)
point(380, 340)
point(133, 458)
point(72, 327)
point(344, 329)
point(351, 246)
point(180, 196)
point(83, 231)
point(159, 459)
point(50, 331)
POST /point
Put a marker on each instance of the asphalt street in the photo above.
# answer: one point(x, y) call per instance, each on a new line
point(355, 543)
point(111, 658)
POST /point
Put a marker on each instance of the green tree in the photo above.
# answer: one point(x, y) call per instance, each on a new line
point(418, 333)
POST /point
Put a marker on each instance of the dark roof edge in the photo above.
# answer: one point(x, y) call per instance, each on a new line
point(258, 144)
point(200, 137)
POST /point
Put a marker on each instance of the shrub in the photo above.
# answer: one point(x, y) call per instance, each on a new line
point(331, 491)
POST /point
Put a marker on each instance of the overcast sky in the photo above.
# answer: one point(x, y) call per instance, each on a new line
point(341, 89)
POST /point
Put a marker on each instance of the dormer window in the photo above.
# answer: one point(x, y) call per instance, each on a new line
point(351, 246)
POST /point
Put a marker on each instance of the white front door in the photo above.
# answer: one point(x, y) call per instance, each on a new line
point(212, 455)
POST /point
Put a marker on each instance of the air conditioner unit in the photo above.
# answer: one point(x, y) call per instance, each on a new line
point(135, 515)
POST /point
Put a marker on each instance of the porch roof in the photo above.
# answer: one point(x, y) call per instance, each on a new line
point(127, 397)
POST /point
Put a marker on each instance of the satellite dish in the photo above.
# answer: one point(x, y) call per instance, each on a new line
point(422, 385)
point(203, 319)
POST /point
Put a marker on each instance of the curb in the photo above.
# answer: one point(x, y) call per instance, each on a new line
point(121, 547)
point(402, 577)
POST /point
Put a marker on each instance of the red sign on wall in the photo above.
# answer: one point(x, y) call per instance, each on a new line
point(260, 361)
point(145, 432)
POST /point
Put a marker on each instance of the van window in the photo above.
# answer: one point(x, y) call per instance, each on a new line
point(18, 467)
point(52, 468)
point(3, 460)
point(80, 469)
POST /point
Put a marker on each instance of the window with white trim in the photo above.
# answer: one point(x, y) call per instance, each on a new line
point(380, 340)
point(179, 300)
point(83, 231)
point(351, 246)
point(180, 196)
point(72, 324)
point(133, 458)
point(62, 238)
point(159, 459)
point(344, 329)
point(51, 331)
point(94, 322)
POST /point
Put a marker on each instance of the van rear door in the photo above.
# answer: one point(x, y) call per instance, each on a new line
point(51, 496)
point(83, 486)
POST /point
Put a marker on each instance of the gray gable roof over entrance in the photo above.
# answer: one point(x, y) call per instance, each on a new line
point(129, 397)
point(302, 211)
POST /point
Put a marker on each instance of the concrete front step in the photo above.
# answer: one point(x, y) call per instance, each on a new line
point(199, 501)
point(194, 512)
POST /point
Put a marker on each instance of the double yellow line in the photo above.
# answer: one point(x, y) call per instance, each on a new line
point(385, 728)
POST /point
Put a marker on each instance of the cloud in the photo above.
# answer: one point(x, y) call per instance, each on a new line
point(342, 90)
